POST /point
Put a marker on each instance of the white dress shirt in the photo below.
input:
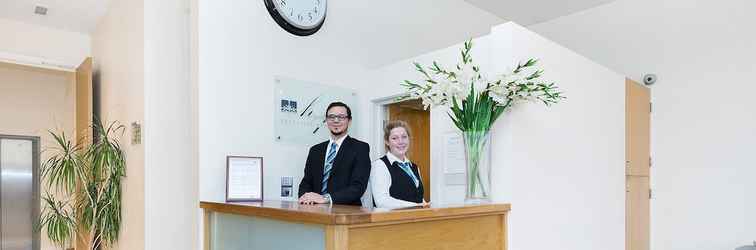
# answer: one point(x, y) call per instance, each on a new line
point(380, 183)
point(338, 146)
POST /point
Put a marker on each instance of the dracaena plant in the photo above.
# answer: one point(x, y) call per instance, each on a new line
point(476, 100)
point(83, 189)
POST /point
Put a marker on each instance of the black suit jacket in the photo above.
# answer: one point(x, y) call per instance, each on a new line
point(349, 173)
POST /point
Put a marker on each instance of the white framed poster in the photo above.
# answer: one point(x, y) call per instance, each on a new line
point(244, 178)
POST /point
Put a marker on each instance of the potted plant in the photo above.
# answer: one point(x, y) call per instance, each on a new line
point(476, 101)
point(83, 189)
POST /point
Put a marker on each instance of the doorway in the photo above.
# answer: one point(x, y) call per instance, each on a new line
point(418, 119)
point(637, 165)
point(19, 192)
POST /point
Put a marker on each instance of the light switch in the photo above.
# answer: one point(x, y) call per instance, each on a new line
point(136, 133)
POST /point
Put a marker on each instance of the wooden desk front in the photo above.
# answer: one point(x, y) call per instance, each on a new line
point(289, 225)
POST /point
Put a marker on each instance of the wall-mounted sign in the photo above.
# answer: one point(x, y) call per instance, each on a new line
point(300, 110)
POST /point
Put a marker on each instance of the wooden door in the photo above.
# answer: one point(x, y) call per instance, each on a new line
point(638, 216)
point(419, 122)
point(637, 164)
point(638, 127)
point(83, 133)
point(84, 100)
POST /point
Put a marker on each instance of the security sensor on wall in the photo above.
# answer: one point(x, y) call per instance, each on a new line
point(40, 10)
point(649, 79)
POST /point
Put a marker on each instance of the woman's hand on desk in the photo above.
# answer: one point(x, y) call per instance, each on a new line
point(312, 198)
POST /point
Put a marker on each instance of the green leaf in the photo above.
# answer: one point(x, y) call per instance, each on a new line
point(90, 177)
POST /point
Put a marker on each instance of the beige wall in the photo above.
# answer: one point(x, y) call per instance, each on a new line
point(118, 52)
point(33, 101)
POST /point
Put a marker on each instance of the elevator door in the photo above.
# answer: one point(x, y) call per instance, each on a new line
point(19, 194)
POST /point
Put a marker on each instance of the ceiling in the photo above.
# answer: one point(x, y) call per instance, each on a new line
point(386, 31)
point(70, 15)
point(393, 30)
point(531, 12)
point(82, 15)
point(374, 32)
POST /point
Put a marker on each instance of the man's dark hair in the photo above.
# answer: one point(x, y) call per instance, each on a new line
point(340, 104)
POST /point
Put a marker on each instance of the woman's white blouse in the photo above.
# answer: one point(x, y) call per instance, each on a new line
point(380, 182)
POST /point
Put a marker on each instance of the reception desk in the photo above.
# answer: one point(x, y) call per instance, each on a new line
point(289, 225)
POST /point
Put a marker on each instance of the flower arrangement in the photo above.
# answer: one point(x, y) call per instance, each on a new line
point(476, 101)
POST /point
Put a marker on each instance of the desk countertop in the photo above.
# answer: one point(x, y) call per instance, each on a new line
point(350, 215)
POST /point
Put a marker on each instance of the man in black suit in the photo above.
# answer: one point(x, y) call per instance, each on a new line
point(337, 170)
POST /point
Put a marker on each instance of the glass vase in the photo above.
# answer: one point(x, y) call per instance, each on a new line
point(477, 166)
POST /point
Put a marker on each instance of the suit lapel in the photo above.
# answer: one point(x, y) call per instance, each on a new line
point(321, 151)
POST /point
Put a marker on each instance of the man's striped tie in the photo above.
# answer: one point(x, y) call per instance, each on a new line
point(327, 169)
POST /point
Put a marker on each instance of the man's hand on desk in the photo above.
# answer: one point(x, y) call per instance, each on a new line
point(312, 198)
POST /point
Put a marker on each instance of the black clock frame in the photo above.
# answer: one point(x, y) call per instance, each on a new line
point(286, 25)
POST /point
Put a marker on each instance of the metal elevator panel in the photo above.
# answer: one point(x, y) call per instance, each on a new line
point(19, 200)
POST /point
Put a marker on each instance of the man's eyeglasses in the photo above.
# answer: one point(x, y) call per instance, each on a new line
point(334, 118)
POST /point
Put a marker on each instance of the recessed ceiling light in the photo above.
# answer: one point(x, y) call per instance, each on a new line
point(40, 10)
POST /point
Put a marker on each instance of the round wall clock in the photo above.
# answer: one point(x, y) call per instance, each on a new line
point(299, 17)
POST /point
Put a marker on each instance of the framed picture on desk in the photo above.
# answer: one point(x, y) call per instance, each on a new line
point(244, 178)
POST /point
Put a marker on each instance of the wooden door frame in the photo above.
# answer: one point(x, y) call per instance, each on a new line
point(637, 169)
point(83, 121)
point(379, 111)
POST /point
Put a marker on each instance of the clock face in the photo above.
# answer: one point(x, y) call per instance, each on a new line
point(299, 17)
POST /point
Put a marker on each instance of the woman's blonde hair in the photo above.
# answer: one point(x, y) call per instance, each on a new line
point(392, 125)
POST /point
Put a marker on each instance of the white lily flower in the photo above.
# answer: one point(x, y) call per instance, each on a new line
point(443, 86)
point(467, 74)
point(499, 94)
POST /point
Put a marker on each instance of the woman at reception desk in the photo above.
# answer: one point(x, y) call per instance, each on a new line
point(394, 180)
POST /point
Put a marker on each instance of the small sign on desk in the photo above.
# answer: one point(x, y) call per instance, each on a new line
point(287, 184)
point(244, 178)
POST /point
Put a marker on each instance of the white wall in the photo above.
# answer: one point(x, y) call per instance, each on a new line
point(702, 122)
point(240, 51)
point(118, 52)
point(35, 43)
point(560, 167)
point(171, 180)
point(565, 163)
